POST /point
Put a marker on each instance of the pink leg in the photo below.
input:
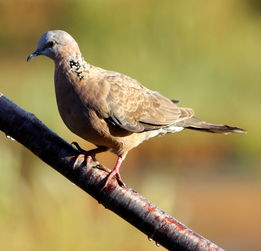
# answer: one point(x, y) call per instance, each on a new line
point(115, 173)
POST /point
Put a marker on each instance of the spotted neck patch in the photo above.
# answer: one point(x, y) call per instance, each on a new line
point(78, 66)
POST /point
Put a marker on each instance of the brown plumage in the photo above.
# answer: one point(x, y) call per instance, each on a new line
point(109, 109)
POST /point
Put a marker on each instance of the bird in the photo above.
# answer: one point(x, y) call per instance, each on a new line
point(109, 109)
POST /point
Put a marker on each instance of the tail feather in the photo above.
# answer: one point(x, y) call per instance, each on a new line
point(196, 124)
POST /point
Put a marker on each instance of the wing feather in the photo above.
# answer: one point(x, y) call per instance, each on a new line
point(135, 108)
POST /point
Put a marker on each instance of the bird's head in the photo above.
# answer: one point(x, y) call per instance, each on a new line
point(55, 45)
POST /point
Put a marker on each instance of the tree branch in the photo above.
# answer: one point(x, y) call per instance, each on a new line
point(128, 204)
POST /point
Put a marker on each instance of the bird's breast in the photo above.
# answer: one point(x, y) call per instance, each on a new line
point(69, 105)
point(78, 113)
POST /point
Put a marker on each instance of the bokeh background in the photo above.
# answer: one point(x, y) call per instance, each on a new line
point(206, 54)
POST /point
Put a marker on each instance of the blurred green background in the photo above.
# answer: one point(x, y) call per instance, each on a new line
point(206, 54)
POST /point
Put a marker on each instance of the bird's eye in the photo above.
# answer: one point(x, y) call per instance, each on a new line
point(50, 44)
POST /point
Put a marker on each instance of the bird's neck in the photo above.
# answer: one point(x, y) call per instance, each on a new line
point(73, 64)
point(69, 76)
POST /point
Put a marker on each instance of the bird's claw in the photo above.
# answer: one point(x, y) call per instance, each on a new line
point(90, 155)
point(104, 168)
point(114, 174)
point(77, 146)
point(79, 160)
point(84, 155)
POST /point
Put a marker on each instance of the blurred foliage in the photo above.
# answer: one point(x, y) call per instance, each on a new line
point(204, 53)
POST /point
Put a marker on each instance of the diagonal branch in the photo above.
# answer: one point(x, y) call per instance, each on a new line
point(128, 204)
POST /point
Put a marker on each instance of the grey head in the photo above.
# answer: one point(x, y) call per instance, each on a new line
point(55, 44)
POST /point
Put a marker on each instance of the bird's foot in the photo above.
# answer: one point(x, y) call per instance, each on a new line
point(79, 160)
point(91, 153)
point(77, 146)
point(89, 156)
point(114, 174)
point(84, 155)
point(104, 168)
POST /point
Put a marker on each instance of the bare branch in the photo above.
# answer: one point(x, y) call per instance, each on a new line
point(128, 204)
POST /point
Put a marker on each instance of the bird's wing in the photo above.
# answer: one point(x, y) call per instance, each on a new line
point(135, 108)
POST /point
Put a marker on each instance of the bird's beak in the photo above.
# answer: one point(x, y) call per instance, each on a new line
point(34, 54)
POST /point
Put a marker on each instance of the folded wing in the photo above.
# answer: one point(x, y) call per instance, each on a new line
point(137, 109)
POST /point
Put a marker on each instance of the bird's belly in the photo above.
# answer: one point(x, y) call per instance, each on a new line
point(78, 118)
point(133, 140)
point(83, 124)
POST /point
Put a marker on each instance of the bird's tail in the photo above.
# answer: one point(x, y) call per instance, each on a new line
point(197, 124)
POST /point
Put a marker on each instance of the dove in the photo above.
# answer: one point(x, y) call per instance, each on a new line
point(109, 109)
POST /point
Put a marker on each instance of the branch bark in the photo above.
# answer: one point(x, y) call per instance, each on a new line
point(128, 204)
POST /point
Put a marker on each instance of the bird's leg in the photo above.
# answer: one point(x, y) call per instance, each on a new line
point(115, 173)
point(89, 155)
